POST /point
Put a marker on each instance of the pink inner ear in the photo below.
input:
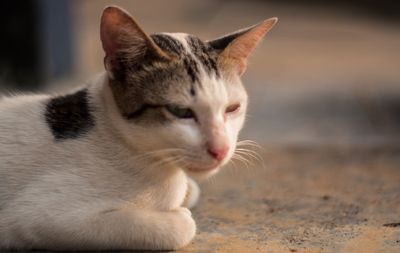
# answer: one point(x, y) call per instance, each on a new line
point(112, 22)
point(107, 39)
point(119, 32)
point(242, 66)
point(245, 47)
point(247, 43)
point(242, 47)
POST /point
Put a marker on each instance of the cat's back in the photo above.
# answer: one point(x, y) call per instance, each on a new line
point(22, 120)
point(23, 131)
point(24, 140)
point(10, 105)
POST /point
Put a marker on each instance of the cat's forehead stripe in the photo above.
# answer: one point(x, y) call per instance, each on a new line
point(189, 47)
point(173, 45)
point(202, 51)
point(191, 68)
point(168, 44)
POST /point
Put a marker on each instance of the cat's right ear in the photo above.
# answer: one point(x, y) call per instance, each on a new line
point(235, 48)
point(124, 41)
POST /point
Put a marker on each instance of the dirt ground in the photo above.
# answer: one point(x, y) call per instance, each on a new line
point(305, 199)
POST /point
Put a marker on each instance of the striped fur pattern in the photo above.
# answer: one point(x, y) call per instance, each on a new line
point(110, 166)
point(193, 59)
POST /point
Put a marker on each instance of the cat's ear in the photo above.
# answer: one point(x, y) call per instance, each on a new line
point(234, 49)
point(123, 39)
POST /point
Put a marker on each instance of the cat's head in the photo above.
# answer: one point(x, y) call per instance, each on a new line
point(181, 99)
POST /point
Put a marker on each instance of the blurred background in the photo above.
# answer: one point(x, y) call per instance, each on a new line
point(328, 73)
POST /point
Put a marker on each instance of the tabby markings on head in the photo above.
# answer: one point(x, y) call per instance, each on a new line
point(69, 116)
point(149, 80)
point(204, 53)
point(198, 49)
point(173, 46)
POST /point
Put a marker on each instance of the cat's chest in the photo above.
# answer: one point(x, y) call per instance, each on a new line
point(162, 192)
point(137, 183)
point(168, 194)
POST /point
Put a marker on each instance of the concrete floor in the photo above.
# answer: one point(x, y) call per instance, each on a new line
point(305, 199)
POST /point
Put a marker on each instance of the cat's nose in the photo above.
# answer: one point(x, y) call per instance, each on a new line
point(218, 153)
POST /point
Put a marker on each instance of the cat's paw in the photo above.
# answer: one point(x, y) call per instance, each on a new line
point(184, 228)
point(184, 211)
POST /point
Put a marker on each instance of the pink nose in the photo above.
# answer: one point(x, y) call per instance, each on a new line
point(218, 154)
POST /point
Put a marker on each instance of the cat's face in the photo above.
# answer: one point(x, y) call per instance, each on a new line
point(181, 98)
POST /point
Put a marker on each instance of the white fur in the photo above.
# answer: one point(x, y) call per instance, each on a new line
point(94, 192)
point(193, 194)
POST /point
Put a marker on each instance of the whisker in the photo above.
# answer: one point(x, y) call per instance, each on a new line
point(248, 154)
point(250, 143)
point(252, 154)
point(157, 154)
point(241, 159)
point(251, 148)
point(164, 161)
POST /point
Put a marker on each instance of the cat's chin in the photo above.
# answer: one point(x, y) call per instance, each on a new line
point(202, 172)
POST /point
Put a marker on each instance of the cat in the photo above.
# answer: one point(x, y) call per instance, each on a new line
point(108, 166)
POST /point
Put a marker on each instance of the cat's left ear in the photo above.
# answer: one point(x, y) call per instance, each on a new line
point(234, 49)
point(122, 38)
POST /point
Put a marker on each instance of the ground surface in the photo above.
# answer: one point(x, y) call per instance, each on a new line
point(306, 199)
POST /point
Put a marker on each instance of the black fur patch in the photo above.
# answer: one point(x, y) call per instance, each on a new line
point(168, 43)
point(69, 116)
point(204, 53)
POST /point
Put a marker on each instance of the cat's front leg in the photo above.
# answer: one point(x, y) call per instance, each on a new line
point(147, 229)
point(112, 229)
point(192, 194)
point(169, 230)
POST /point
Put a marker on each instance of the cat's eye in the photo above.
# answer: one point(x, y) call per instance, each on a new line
point(180, 112)
point(232, 108)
